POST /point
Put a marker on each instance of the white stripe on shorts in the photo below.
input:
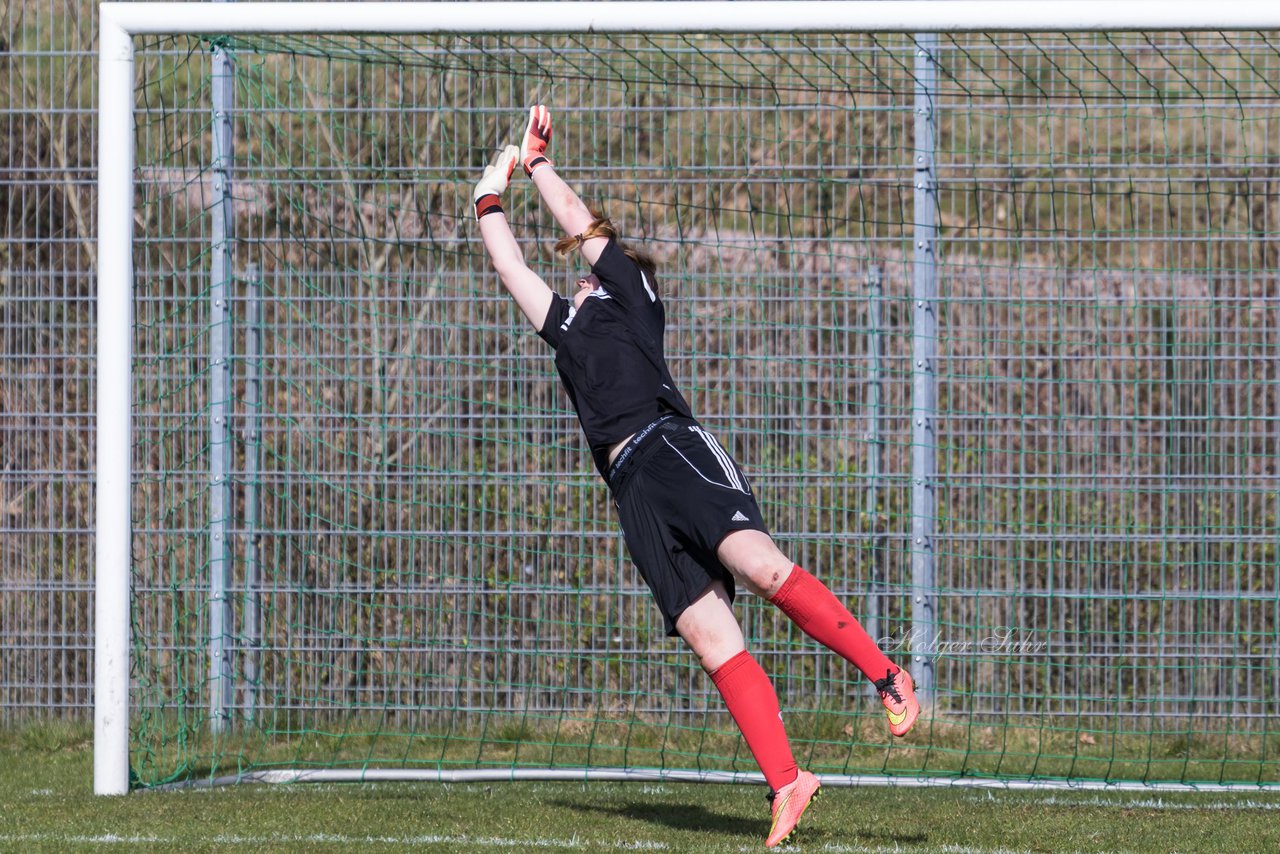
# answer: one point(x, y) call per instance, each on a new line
point(696, 470)
point(730, 470)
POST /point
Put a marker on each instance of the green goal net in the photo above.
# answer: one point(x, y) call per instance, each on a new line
point(368, 539)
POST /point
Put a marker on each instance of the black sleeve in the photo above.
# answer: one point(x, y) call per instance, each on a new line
point(623, 278)
point(553, 325)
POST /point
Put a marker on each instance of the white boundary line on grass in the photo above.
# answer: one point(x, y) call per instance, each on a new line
point(1136, 803)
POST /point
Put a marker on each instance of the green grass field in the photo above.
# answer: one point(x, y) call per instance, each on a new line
point(47, 804)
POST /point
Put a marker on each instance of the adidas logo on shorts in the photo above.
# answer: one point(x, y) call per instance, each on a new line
point(738, 516)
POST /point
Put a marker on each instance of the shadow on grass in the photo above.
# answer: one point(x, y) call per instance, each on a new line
point(695, 817)
point(886, 837)
point(677, 817)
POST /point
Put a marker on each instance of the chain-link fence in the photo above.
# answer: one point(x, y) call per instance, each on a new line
point(1108, 343)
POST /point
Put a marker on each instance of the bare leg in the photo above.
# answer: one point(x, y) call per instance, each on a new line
point(710, 628)
point(712, 631)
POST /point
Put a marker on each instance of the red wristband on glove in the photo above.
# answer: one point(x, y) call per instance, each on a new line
point(534, 164)
point(487, 204)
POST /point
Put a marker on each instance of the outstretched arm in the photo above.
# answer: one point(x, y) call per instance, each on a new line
point(525, 286)
point(564, 203)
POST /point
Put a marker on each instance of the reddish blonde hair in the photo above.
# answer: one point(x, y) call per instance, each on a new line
point(602, 226)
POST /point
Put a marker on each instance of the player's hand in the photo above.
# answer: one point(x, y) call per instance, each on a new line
point(533, 151)
point(495, 179)
point(497, 174)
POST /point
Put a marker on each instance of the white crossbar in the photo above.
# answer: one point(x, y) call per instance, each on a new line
point(754, 16)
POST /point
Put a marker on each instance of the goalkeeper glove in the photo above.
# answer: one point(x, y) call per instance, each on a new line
point(533, 151)
point(494, 181)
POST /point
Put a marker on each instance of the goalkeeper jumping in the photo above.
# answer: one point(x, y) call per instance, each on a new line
point(688, 514)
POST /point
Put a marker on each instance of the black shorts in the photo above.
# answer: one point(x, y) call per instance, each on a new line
point(678, 494)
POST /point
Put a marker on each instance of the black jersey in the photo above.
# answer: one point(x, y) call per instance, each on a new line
point(609, 354)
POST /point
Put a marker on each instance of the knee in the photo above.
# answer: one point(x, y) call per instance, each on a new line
point(713, 647)
point(756, 561)
point(710, 629)
point(764, 572)
point(713, 657)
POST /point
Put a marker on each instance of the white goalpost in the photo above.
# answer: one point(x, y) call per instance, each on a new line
point(122, 23)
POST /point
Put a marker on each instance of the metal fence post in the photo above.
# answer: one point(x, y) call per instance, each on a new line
point(875, 450)
point(221, 679)
point(252, 613)
point(924, 370)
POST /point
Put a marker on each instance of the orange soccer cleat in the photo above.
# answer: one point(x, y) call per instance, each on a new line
point(788, 804)
point(898, 692)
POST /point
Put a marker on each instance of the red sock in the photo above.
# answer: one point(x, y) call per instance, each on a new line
point(816, 610)
point(754, 705)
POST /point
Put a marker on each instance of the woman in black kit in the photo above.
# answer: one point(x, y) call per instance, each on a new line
point(688, 515)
